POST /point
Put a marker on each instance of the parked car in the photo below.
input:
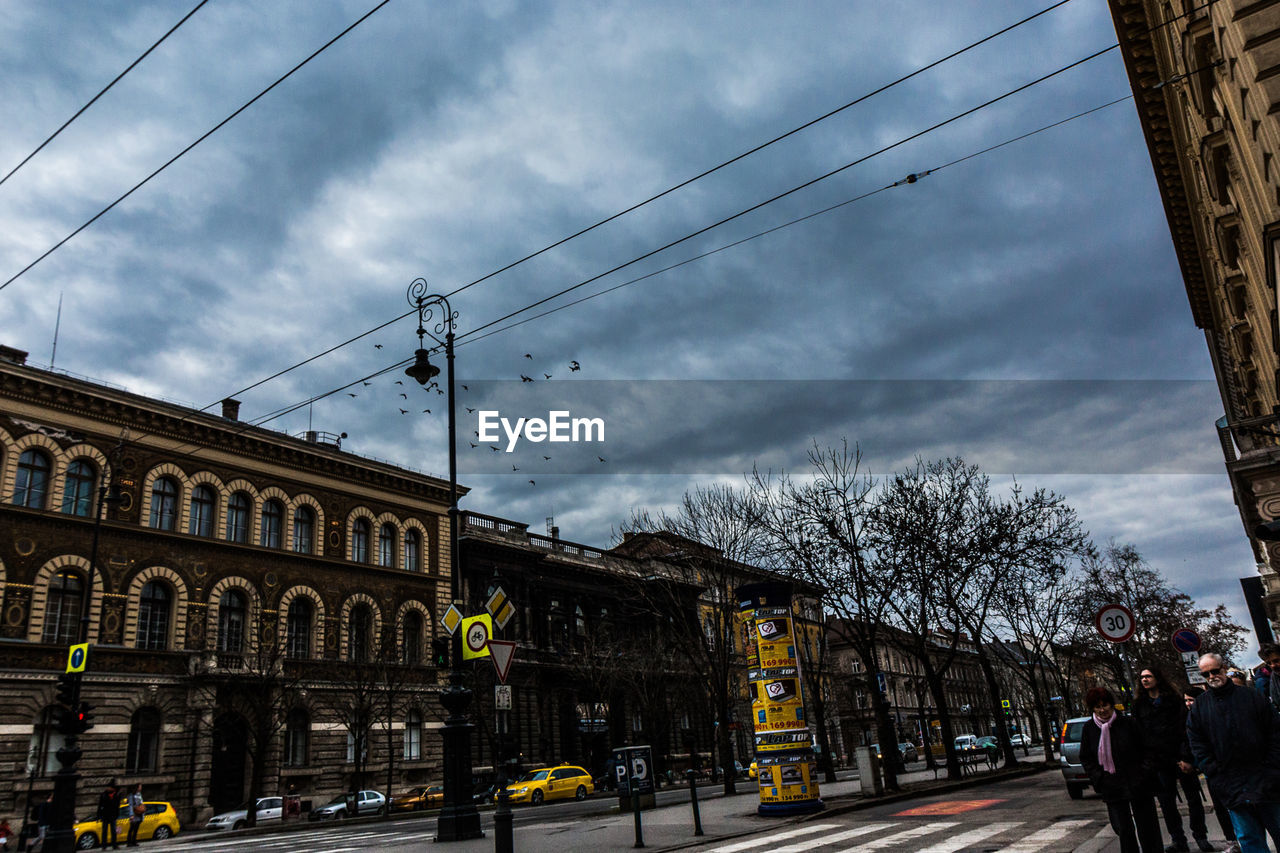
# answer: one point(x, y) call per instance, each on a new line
point(1069, 757)
point(417, 799)
point(964, 742)
point(160, 821)
point(909, 751)
point(552, 783)
point(1020, 740)
point(269, 809)
point(366, 803)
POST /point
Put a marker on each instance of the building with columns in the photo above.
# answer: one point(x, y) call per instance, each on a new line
point(1206, 85)
point(251, 589)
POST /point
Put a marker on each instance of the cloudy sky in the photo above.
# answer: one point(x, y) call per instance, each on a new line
point(1021, 308)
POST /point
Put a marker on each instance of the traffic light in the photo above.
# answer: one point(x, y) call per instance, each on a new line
point(63, 719)
point(68, 689)
point(440, 652)
point(84, 717)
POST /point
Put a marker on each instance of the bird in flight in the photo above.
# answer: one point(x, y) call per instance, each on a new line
point(406, 396)
point(366, 384)
point(426, 411)
point(473, 444)
point(548, 458)
point(464, 387)
point(349, 394)
point(470, 411)
point(514, 468)
point(548, 375)
point(601, 458)
point(528, 356)
point(532, 483)
point(404, 411)
point(493, 448)
point(398, 382)
point(573, 365)
point(524, 378)
point(377, 346)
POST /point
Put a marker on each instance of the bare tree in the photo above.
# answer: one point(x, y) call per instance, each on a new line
point(701, 553)
point(816, 531)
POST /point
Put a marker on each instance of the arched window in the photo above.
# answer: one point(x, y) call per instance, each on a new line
point(297, 738)
point(233, 613)
point(272, 524)
point(359, 633)
point(412, 551)
point(298, 629)
point(387, 546)
point(413, 735)
point(63, 607)
point(238, 518)
point(144, 741)
point(304, 530)
point(32, 486)
point(164, 504)
point(360, 540)
point(155, 607)
point(77, 488)
point(203, 509)
point(412, 638)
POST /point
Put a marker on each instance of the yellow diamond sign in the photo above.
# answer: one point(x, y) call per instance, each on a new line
point(495, 602)
point(503, 616)
point(452, 619)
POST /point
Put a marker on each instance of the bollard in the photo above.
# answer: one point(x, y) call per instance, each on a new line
point(693, 799)
point(635, 805)
point(502, 838)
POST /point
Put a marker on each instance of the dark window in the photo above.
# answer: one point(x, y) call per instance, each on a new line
point(412, 551)
point(297, 738)
point(164, 504)
point(77, 488)
point(238, 518)
point(203, 507)
point(413, 637)
point(232, 614)
point(360, 540)
point(304, 529)
point(298, 629)
point(62, 611)
point(46, 740)
point(144, 741)
point(155, 605)
point(32, 486)
point(272, 523)
point(359, 633)
point(413, 735)
point(387, 546)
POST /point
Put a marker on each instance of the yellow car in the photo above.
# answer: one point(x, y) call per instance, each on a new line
point(553, 783)
point(754, 770)
point(160, 821)
point(418, 799)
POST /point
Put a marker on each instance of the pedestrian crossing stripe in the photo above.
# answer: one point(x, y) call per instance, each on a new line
point(885, 835)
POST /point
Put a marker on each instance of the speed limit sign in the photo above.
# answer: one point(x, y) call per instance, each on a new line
point(1114, 622)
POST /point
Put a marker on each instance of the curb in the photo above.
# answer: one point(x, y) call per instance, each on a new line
point(862, 803)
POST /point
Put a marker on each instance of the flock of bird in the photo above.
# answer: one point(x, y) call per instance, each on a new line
point(573, 366)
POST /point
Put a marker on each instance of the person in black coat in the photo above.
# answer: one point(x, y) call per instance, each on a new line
point(1162, 716)
point(1187, 764)
point(1235, 738)
point(1114, 753)
point(109, 813)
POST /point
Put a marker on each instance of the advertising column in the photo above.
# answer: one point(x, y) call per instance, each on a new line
point(783, 743)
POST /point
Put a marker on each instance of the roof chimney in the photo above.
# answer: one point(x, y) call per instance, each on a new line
point(231, 409)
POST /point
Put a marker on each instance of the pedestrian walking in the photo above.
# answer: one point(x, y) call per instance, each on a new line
point(136, 811)
point(1267, 681)
point(43, 817)
point(109, 813)
point(1235, 739)
point(1162, 716)
point(1189, 696)
point(1114, 753)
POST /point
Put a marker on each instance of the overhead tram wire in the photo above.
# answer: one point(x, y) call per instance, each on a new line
point(472, 335)
point(913, 178)
point(652, 198)
point(797, 188)
point(202, 138)
point(105, 89)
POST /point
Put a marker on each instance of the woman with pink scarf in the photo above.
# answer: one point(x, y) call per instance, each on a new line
point(1121, 767)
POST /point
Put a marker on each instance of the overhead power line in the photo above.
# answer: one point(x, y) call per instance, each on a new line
point(92, 100)
point(202, 138)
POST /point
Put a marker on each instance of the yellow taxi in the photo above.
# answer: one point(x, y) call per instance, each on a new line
point(551, 783)
point(160, 821)
point(418, 799)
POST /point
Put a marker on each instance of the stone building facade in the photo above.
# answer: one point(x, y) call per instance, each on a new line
point(238, 562)
point(1206, 84)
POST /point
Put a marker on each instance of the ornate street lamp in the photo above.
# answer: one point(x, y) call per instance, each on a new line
point(459, 820)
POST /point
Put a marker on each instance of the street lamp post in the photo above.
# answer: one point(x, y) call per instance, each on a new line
point(459, 819)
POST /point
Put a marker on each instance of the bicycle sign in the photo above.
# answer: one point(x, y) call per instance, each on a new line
point(1115, 623)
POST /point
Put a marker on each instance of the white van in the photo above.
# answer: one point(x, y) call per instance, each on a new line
point(964, 742)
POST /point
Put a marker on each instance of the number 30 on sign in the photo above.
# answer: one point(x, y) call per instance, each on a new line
point(1114, 622)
